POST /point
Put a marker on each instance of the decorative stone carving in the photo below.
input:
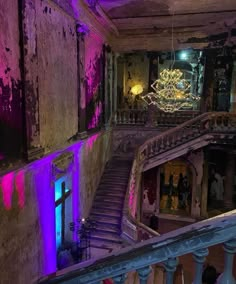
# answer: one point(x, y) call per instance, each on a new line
point(62, 164)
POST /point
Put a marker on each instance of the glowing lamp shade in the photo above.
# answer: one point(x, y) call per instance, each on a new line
point(136, 90)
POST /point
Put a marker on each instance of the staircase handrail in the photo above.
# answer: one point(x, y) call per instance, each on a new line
point(129, 213)
point(194, 238)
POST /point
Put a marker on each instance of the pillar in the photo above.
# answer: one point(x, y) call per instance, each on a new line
point(115, 82)
point(158, 190)
point(204, 193)
point(229, 181)
point(233, 90)
point(81, 85)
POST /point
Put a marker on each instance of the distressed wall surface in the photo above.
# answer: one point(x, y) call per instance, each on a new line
point(96, 152)
point(57, 53)
point(136, 72)
point(94, 63)
point(10, 82)
point(27, 208)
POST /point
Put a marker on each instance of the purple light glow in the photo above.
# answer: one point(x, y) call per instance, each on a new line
point(91, 140)
point(7, 190)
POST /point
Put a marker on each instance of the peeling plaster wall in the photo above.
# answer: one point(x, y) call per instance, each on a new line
point(27, 208)
point(96, 153)
point(57, 57)
point(136, 72)
point(94, 62)
point(10, 81)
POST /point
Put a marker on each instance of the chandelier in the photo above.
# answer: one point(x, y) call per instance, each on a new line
point(171, 92)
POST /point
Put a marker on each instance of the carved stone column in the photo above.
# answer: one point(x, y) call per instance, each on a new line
point(229, 181)
point(233, 90)
point(82, 133)
point(158, 189)
point(204, 193)
point(115, 82)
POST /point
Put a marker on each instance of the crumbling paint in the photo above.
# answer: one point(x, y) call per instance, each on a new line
point(10, 83)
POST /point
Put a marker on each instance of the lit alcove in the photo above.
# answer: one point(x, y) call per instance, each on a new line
point(63, 210)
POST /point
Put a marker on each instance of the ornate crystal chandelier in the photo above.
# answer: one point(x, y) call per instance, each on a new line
point(171, 92)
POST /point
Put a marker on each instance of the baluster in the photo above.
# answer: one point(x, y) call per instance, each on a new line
point(133, 117)
point(162, 143)
point(120, 279)
point(227, 276)
point(170, 266)
point(199, 257)
point(143, 274)
point(126, 117)
point(118, 118)
point(115, 118)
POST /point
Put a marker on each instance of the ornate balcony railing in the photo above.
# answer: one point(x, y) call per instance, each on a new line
point(194, 239)
point(160, 119)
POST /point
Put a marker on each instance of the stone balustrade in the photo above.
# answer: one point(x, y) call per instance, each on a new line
point(160, 119)
point(195, 239)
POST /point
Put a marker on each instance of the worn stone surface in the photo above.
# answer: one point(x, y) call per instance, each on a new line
point(136, 72)
point(96, 153)
point(27, 207)
point(127, 139)
point(10, 82)
point(57, 45)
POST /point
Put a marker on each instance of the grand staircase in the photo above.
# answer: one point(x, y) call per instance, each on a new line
point(108, 209)
point(108, 205)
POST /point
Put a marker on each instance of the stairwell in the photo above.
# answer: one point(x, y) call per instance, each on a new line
point(108, 205)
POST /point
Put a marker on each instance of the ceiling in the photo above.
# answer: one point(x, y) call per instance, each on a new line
point(144, 18)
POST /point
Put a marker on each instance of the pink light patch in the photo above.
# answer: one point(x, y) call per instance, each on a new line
point(7, 190)
point(20, 188)
point(91, 140)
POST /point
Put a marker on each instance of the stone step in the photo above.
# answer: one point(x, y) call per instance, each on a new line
point(108, 212)
point(105, 227)
point(110, 193)
point(118, 170)
point(110, 188)
point(110, 204)
point(106, 224)
point(115, 180)
point(106, 219)
point(106, 238)
point(109, 199)
point(109, 247)
point(106, 234)
point(105, 210)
